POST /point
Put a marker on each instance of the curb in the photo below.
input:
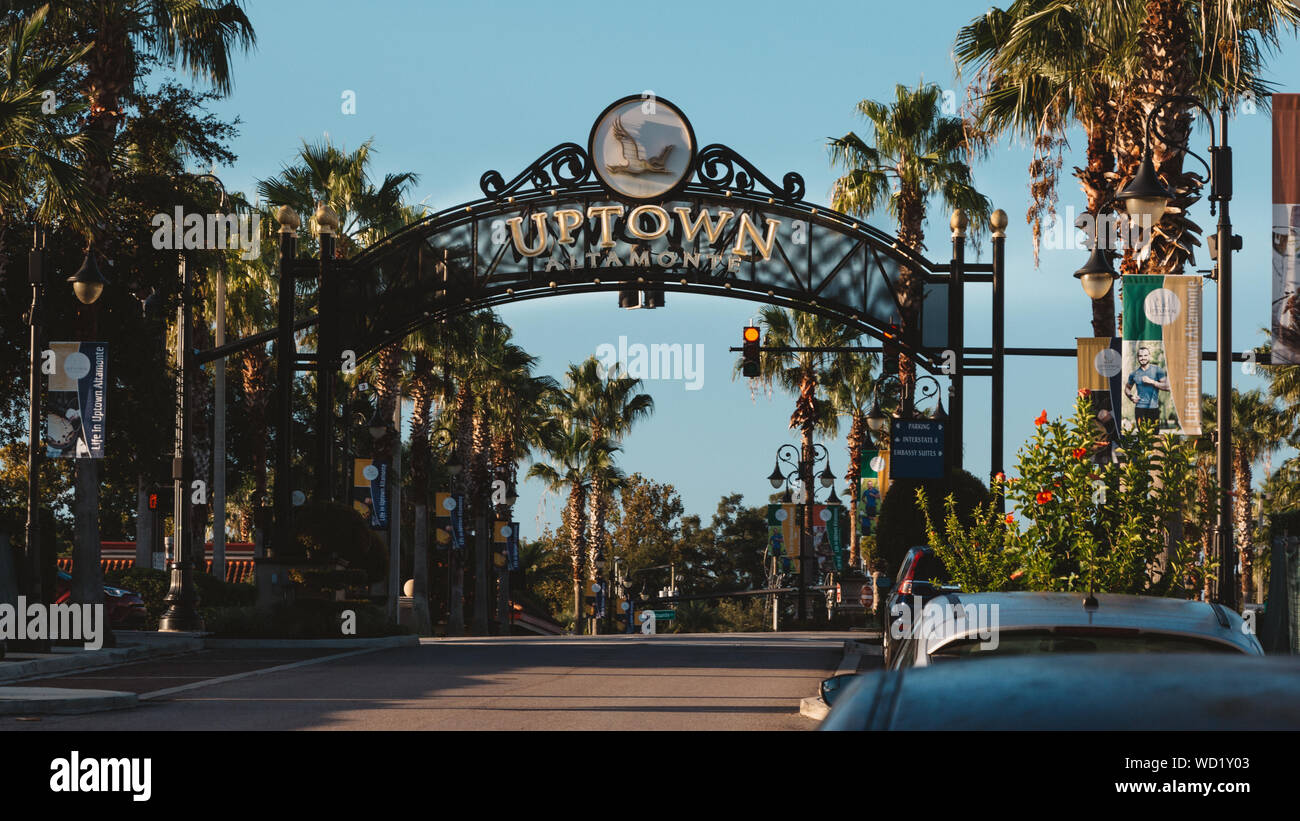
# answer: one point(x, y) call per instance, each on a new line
point(62, 701)
point(95, 659)
point(323, 644)
point(812, 706)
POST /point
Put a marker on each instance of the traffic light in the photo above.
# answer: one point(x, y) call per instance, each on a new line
point(889, 362)
point(652, 299)
point(750, 352)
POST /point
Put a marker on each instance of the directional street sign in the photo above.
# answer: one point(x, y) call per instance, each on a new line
point(664, 615)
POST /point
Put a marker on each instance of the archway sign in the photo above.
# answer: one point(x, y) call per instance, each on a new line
point(640, 207)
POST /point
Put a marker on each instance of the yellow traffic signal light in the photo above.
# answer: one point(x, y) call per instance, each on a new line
point(750, 352)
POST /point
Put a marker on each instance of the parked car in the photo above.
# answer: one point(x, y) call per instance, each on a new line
point(921, 576)
point(980, 625)
point(1107, 691)
point(124, 609)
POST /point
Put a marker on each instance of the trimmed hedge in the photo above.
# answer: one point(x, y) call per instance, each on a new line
point(901, 525)
point(305, 619)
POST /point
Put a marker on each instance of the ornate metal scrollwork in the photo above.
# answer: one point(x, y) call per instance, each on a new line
point(718, 168)
point(564, 166)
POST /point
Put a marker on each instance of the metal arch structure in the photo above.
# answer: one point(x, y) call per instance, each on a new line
point(561, 226)
point(463, 258)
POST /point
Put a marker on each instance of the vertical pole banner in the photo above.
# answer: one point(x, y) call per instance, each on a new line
point(443, 504)
point(458, 521)
point(501, 532)
point(834, 534)
point(1100, 362)
point(370, 491)
point(775, 544)
point(873, 481)
point(790, 531)
point(76, 409)
point(512, 547)
point(1286, 229)
point(1162, 353)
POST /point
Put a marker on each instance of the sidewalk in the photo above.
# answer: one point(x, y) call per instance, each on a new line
point(133, 647)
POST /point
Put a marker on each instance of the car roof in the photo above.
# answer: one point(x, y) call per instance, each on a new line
point(1102, 691)
point(1147, 614)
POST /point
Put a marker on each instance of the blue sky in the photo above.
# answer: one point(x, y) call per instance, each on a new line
point(452, 90)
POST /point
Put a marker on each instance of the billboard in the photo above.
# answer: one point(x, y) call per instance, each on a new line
point(1286, 229)
point(76, 409)
point(1162, 353)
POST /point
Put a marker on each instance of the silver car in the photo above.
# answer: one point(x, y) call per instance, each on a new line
point(980, 625)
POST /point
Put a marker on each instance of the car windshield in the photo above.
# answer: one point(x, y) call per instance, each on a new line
point(1029, 642)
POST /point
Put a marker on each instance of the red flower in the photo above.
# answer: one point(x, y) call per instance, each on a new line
point(1010, 519)
point(1085, 392)
point(1042, 418)
point(999, 477)
point(1017, 574)
point(1079, 453)
point(1043, 497)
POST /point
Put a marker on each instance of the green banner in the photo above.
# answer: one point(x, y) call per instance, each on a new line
point(1161, 381)
point(834, 534)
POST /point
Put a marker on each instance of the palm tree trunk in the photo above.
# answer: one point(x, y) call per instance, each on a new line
point(573, 520)
point(464, 413)
point(1241, 513)
point(856, 441)
point(911, 286)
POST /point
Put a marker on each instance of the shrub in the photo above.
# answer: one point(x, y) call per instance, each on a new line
point(902, 523)
point(332, 532)
point(1114, 527)
point(310, 619)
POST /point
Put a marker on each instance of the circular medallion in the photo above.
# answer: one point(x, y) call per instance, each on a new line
point(877, 463)
point(642, 147)
point(370, 472)
point(1162, 306)
point(77, 365)
point(1108, 362)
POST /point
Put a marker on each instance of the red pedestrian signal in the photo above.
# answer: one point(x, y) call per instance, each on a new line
point(153, 501)
point(750, 352)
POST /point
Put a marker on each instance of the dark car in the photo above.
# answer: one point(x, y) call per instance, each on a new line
point(921, 577)
point(124, 609)
point(1092, 691)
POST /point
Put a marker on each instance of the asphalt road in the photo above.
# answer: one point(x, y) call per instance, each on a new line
point(669, 682)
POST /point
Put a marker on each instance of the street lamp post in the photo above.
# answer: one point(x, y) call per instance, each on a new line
point(801, 467)
point(1146, 197)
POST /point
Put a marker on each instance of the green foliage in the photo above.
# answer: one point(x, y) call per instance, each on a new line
point(308, 619)
point(1115, 527)
point(152, 585)
point(981, 555)
point(694, 617)
point(902, 524)
point(330, 532)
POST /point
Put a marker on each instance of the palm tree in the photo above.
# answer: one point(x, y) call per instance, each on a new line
point(199, 36)
point(1212, 50)
point(570, 450)
point(608, 406)
point(802, 374)
point(851, 389)
point(1044, 65)
point(326, 173)
point(39, 159)
point(1258, 428)
point(917, 153)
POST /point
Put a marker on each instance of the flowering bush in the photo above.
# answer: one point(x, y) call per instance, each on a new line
point(1115, 527)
